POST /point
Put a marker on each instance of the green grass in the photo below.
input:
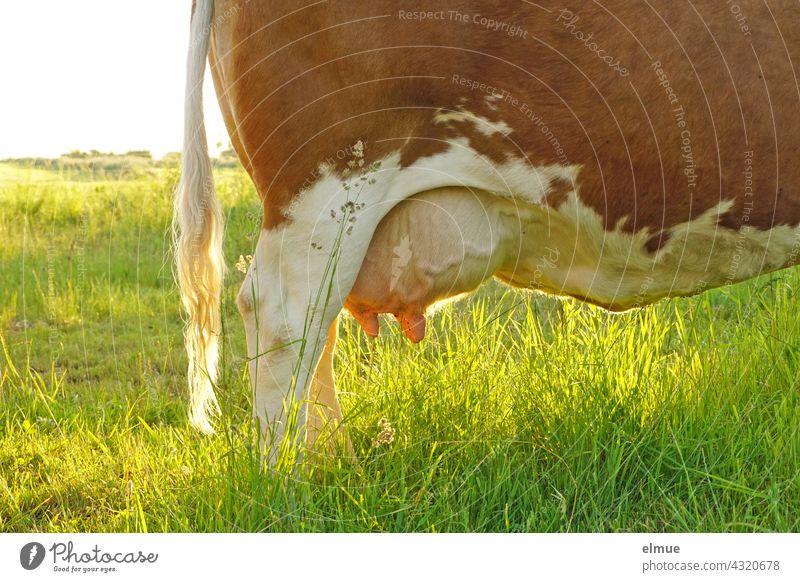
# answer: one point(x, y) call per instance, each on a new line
point(518, 413)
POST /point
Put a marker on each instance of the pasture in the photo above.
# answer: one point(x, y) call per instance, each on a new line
point(517, 413)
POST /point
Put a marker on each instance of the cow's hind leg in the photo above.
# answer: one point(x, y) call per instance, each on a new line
point(324, 428)
point(301, 274)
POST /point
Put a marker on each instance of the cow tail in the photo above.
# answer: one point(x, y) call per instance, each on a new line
point(198, 233)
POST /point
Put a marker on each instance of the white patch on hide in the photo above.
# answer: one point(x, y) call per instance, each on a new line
point(613, 268)
point(482, 124)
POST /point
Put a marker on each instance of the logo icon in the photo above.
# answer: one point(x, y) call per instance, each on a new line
point(31, 555)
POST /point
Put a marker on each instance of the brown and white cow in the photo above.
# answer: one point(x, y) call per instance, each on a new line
point(618, 152)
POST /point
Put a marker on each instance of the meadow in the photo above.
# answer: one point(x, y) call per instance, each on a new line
point(519, 412)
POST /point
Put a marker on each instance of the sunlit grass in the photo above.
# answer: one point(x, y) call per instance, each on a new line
point(517, 413)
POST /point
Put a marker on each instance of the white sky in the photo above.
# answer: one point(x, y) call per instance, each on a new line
point(95, 74)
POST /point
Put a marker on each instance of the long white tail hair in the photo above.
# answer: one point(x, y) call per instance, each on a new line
point(198, 233)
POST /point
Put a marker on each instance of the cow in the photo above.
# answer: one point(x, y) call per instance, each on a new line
point(614, 152)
